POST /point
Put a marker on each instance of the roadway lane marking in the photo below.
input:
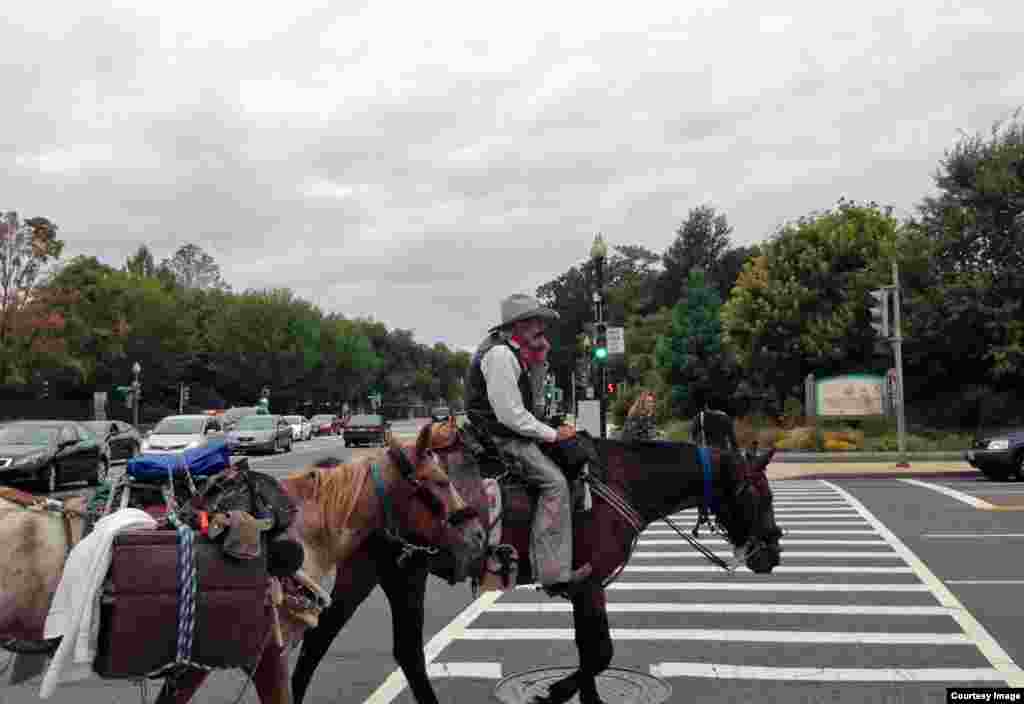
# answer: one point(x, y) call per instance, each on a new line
point(786, 542)
point(824, 674)
point(396, 682)
point(476, 670)
point(972, 501)
point(791, 569)
point(725, 635)
point(727, 608)
point(760, 587)
point(972, 535)
point(985, 581)
point(789, 554)
point(977, 634)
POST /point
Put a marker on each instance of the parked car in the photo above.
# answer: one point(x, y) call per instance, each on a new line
point(231, 416)
point(122, 439)
point(325, 424)
point(50, 452)
point(440, 413)
point(367, 429)
point(999, 454)
point(266, 433)
point(179, 433)
point(301, 428)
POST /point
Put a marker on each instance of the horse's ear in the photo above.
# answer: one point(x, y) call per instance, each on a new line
point(423, 441)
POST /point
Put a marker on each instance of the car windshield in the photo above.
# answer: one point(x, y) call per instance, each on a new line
point(256, 423)
point(366, 420)
point(293, 419)
point(97, 427)
point(28, 434)
point(179, 426)
point(322, 419)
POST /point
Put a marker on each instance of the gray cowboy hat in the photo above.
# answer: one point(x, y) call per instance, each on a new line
point(522, 307)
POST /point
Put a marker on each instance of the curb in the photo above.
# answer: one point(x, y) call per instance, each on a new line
point(908, 474)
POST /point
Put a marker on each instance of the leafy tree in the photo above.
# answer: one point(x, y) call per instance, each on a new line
point(192, 267)
point(141, 263)
point(802, 306)
point(690, 357)
point(700, 241)
point(965, 309)
point(26, 249)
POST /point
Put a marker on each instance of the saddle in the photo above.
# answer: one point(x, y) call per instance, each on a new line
point(512, 501)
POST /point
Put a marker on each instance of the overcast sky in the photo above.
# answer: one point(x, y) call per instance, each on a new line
point(418, 162)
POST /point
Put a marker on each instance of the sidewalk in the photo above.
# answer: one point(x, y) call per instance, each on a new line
point(873, 470)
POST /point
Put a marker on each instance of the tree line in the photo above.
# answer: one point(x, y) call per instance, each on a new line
point(79, 326)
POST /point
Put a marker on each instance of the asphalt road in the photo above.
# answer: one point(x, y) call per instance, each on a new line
point(889, 591)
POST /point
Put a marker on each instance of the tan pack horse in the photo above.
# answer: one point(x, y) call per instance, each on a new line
point(401, 493)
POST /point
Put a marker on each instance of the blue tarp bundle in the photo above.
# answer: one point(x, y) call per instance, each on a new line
point(201, 462)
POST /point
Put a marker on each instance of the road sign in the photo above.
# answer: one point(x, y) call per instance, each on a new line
point(588, 417)
point(617, 340)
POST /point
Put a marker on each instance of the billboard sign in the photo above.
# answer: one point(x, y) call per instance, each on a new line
point(851, 395)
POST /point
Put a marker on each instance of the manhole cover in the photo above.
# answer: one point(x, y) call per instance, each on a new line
point(615, 685)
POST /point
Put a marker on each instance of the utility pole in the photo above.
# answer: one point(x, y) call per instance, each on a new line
point(598, 252)
point(897, 351)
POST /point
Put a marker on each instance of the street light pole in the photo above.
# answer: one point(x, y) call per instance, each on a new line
point(598, 252)
point(136, 370)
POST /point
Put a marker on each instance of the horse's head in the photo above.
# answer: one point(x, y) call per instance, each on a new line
point(747, 513)
point(430, 511)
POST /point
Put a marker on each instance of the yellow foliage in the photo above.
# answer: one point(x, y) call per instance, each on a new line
point(833, 444)
point(854, 438)
point(796, 439)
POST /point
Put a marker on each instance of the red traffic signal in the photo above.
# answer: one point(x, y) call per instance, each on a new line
point(611, 388)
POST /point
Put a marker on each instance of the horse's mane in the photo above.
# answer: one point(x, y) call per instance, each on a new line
point(339, 486)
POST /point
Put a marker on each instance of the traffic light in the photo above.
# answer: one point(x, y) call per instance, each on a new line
point(611, 388)
point(184, 395)
point(879, 312)
point(46, 389)
point(601, 345)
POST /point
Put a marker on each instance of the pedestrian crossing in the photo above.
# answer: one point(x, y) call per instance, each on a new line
point(850, 603)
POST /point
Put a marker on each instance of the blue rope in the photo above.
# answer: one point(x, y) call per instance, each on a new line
point(187, 581)
point(710, 500)
point(382, 493)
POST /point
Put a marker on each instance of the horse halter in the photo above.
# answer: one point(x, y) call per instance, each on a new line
point(408, 474)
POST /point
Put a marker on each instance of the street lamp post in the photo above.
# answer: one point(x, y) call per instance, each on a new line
point(136, 370)
point(598, 252)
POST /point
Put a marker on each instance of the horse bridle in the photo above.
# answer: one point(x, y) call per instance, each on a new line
point(407, 471)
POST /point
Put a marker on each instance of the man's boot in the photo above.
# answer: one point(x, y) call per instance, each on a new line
point(577, 580)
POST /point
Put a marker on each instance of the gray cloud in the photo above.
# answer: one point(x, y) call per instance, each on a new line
point(420, 170)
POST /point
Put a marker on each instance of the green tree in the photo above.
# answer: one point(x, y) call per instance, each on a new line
point(192, 267)
point(690, 357)
point(802, 306)
point(700, 241)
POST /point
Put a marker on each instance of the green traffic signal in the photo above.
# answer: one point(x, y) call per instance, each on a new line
point(600, 353)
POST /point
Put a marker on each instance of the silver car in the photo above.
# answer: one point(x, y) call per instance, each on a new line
point(179, 433)
point(262, 433)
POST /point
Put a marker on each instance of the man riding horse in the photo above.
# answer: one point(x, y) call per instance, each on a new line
point(500, 404)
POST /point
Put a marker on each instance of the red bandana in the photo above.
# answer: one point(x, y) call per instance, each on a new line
point(527, 356)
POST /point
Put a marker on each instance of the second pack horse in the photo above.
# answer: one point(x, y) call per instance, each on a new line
point(632, 486)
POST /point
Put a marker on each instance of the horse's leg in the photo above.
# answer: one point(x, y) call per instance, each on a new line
point(354, 582)
point(182, 688)
point(406, 589)
point(593, 641)
point(271, 676)
point(594, 644)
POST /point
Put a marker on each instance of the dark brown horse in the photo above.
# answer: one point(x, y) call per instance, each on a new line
point(638, 484)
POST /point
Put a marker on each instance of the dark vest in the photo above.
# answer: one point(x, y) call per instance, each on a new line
point(479, 411)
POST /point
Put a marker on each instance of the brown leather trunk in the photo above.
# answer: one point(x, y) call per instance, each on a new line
point(139, 607)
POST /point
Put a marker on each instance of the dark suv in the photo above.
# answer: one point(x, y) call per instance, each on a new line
point(999, 454)
point(367, 429)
